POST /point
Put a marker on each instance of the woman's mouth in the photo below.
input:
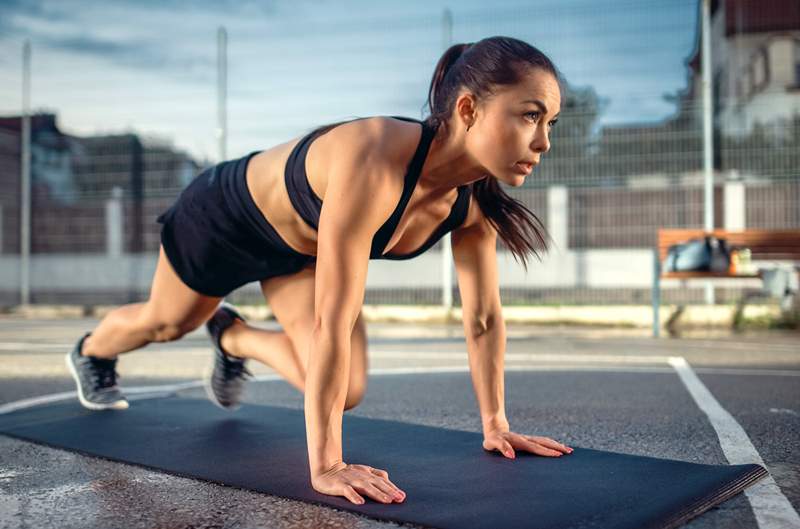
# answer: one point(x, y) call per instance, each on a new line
point(524, 168)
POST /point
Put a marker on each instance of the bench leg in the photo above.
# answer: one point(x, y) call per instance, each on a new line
point(672, 322)
point(738, 313)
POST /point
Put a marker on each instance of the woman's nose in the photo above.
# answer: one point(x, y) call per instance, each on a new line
point(541, 142)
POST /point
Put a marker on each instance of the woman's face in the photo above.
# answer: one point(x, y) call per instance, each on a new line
point(511, 131)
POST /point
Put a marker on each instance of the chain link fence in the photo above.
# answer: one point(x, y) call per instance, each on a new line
point(611, 179)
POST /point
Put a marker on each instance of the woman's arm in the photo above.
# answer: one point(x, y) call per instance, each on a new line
point(475, 256)
point(358, 199)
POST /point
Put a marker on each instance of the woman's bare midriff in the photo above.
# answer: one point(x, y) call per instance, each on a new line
point(265, 180)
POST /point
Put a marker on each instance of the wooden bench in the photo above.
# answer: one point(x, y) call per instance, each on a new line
point(779, 245)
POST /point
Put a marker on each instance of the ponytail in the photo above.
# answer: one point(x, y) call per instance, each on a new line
point(444, 65)
point(479, 67)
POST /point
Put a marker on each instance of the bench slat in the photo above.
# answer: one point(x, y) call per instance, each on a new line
point(763, 244)
point(688, 275)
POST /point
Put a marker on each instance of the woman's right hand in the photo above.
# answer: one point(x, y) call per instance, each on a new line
point(351, 481)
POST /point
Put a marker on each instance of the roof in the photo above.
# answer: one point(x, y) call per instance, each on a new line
point(749, 16)
point(759, 16)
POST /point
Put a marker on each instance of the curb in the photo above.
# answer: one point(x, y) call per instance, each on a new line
point(608, 316)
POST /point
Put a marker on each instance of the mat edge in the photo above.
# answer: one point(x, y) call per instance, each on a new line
point(721, 495)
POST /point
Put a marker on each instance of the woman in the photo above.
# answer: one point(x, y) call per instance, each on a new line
point(304, 219)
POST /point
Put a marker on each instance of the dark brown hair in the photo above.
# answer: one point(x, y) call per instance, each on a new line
point(480, 67)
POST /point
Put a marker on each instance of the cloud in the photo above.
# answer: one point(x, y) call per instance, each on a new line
point(291, 63)
point(83, 27)
point(11, 9)
point(244, 7)
point(136, 54)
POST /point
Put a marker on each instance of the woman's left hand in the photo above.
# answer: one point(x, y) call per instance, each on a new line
point(506, 442)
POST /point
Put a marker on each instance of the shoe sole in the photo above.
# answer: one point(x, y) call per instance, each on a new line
point(118, 405)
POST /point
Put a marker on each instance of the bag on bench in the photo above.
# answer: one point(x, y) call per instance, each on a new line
point(709, 254)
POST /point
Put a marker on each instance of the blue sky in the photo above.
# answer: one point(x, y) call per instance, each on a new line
point(149, 66)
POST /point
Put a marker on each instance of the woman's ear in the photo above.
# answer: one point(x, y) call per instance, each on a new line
point(465, 109)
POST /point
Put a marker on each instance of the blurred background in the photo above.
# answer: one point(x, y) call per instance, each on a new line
point(129, 100)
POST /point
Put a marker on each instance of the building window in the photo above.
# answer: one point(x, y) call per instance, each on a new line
point(747, 81)
point(760, 76)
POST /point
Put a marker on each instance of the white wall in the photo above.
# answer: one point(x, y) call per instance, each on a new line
point(560, 268)
point(589, 269)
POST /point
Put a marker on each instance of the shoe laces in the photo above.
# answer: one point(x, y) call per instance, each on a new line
point(234, 368)
point(103, 373)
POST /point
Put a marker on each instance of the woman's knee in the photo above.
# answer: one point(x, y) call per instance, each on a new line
point(299, 332)
point(167, 330)
point(355, 394)
point(167, 323)
point(358, 364)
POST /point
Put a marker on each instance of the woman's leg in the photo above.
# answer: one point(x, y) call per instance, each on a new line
point(291, 298)
point(172, 310)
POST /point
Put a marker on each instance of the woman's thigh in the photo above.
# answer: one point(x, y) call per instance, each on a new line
point(173, 308)
point(291, 298)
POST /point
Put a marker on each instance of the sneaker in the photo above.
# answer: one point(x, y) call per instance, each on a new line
point(225, 378)
point(96, 379)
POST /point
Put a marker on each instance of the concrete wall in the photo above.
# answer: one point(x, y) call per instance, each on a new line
point(562, 268)
point(584, 269)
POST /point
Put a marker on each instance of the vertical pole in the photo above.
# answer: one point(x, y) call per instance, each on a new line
point(137, 169)
point(447, 267)
point(656, 295)
point(25, 162)
point(222, 91)
point(115, 234)
point(708, 138)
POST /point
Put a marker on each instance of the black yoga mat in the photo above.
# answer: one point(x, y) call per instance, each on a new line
point(449, 479)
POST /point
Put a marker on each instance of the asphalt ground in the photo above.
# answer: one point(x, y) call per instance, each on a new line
point(707, 398)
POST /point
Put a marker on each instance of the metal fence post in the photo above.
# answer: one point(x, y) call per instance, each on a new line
point(25, 164)
point(447, 268)
point(114, 223)
point(656, 292)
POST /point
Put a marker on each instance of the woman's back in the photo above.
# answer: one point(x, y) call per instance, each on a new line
point(266, 179)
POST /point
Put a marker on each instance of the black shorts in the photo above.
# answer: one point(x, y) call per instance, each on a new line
point(217, 239)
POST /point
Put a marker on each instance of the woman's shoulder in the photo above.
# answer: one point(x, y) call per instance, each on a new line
point(385, 138)
point(381, 144)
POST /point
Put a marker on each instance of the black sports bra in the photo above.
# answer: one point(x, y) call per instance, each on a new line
point(308, 204)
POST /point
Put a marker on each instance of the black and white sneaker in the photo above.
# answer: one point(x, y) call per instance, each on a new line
point(225, 377)
point(96, 379)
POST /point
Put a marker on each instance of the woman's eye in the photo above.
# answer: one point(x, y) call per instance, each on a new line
point(535, 114)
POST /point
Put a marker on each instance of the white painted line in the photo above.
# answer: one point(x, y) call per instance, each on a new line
point(748, 372)
point(22, 346)
point(40, 373)
point(783, 410)
point(538, 357)
point(734, 345)
point(771, 508)
point(36, 401)
point(66, 395)
point(407, 355)
point(639, 343)
point(170, 388)
point(135, 390)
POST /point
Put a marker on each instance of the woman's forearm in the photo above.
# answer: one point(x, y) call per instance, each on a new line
point(486, 350)
point(326, 384)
